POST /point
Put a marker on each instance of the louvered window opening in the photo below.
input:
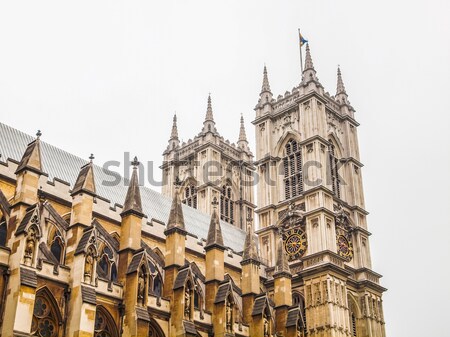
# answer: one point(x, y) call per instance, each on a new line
point(293, 175)
point(190, 196)
point(333, 162)
point(227, 205)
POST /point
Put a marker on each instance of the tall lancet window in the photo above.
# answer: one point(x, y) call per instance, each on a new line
point(334, 164)
point(190, 196)
point(227, 204)
point(293, 175)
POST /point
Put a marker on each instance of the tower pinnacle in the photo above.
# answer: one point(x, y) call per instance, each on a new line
point(215, 237)
point(209, 125)
point(242, 142)
point(309, 73)
point(340, 83)
point(265, 86)
point(250, 252)
point(133, 203)
point(174, 133)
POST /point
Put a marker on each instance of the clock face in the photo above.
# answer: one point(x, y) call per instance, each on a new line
point(344, 247)
point(295, 243)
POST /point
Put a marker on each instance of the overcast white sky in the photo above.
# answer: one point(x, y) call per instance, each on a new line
point(106, 76)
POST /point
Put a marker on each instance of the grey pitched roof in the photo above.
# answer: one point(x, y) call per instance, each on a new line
point(181, 278)
point(259, 305)
point(222, 293)
point(142, 314)
point(189, 328)
point(28, 277)
point(88, 295)
point(65, 166)
point(292, 317)
point(4, 204)
point(26, 219)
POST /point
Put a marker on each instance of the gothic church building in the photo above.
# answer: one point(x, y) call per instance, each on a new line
point(206, 257)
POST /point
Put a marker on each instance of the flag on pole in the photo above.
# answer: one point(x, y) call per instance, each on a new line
point(302, 39)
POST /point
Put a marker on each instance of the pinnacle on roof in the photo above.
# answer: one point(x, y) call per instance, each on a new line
point(340, 83)
point(31, 159)
point(250, 253)
point(85, 181)
point(282, 265)
point(242, 133)
point(209, 125)
point(308, 59)
point(174, 133)
point(176, 218)
point(133, 203)
point(215, 238)
point(265, 85)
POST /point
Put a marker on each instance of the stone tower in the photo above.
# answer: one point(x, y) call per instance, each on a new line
point(311, 202)
point(211, 167)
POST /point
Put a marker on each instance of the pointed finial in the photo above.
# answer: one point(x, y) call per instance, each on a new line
point(308, 59)
point(38, 134)
point(282, 266)
point(250, 253)
point(174, 133)
point(91, 157)
point(215, 237)
point(265, 86)
point(242, 133)
point(209, 112)
point(135, 163)
point(133, 202)
point(340, 83)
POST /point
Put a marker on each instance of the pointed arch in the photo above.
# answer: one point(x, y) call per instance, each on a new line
point(334, 140)
point(3, 231)
point(228, 196)
point(105, 325)
point(47, 317)
point(286, 137)
point(189, 192)
point(354, 315)
point(155, 329)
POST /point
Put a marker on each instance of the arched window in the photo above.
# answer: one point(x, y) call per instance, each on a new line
point(154, 329)
point(3, 232)
point(104, 324)
point(298, 301)
point(190, 196)
point(293, 175)
point(157, 286)
point(56, 244)
point(334, 165)
point(46, 319)
point(227, 204)
point(107, 267)
point(352, 306)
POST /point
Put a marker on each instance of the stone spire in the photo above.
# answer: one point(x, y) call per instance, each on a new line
point(309, 73)
point(242, 141)
point(209, 125)
point(176, 218)
point(215, 237)
point(31, 159)
point(174, 134)
point(282, 265)
point(340, 83)
point(174, 141)
point(265, 85)
point(85, 181)
point(133, 203)
point(250, 253)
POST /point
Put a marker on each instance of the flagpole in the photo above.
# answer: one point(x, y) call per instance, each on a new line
point(301, 57)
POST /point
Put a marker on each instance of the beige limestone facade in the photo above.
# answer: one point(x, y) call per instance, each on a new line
point(204, 258)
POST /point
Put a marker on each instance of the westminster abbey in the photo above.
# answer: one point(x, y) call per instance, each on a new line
point(206, 257)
